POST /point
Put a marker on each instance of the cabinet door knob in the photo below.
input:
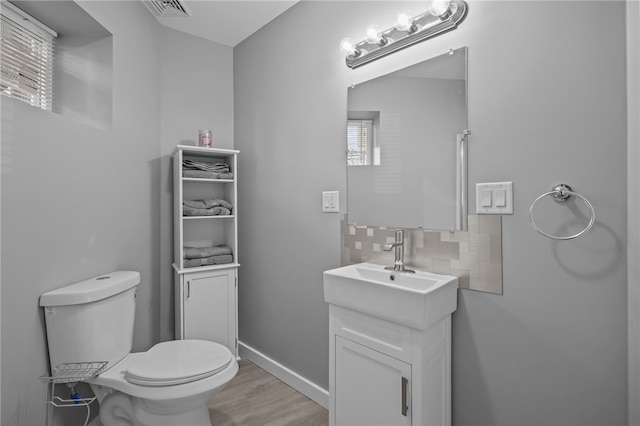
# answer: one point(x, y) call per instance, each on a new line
point(188, 289)
point(405, 407)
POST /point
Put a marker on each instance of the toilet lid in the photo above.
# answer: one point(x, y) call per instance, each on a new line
point(178, 361)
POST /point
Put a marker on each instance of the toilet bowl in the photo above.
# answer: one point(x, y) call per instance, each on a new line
point(170, 384)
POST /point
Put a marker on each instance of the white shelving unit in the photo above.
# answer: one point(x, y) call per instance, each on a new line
point(206, 296)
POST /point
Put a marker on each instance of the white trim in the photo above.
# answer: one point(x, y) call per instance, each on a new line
point(19, 16)
point(291, 378)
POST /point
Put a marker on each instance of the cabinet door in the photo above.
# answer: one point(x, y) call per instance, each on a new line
point(209, 300)
point(371, 388)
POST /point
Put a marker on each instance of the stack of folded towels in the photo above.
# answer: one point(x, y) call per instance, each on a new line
point(213, 207)
point(202, 256)
point(204, 170)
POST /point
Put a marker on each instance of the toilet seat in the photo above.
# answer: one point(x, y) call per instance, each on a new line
point(113, 380)
point(178, 362)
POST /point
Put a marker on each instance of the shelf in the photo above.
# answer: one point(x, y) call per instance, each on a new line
point(192, 149)
point(185, 179)
point(217, 216)
point(74, 372)
point(70, 374)
point(64, 403)
point(204, 268)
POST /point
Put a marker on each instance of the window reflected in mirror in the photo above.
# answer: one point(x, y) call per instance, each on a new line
point(362, 145)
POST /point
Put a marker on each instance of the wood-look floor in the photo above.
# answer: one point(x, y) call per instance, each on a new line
point(256, 398)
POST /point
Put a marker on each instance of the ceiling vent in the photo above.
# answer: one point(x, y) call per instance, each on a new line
point(166, 8)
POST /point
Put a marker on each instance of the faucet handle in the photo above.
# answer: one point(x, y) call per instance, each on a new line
point(399, 242)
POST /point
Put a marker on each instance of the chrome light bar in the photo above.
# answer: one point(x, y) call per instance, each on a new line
point(416, 29)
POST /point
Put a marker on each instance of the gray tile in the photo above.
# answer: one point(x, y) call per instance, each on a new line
point(474, 256)
point(443, 250)
point(490, 224)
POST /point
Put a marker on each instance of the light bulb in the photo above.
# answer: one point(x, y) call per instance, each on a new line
point(404, 22)
point(348, 47)
point(374, 36)
point(439, 7)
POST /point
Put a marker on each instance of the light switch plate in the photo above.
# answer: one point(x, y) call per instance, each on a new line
point(494, 198)
point(331, 201)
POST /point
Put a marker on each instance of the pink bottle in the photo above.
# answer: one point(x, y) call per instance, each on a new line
point(204, 138)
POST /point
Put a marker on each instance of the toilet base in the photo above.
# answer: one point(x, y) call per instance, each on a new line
point(118, 409)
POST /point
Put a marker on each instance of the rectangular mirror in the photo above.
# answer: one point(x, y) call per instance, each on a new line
point(406, 146)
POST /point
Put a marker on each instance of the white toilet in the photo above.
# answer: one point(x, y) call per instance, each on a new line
point(170, 384)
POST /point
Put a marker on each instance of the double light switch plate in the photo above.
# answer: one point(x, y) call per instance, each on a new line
point(494, 198)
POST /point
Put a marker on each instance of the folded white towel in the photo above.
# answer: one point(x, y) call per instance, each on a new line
point(208, 167)
point(212, 260)
point(202, 252)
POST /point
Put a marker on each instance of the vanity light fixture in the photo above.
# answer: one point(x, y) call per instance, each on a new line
point(442, 16)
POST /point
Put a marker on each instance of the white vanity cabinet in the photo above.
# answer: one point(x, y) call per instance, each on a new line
point(387, 374)
point(205, 296)
point(390, 346)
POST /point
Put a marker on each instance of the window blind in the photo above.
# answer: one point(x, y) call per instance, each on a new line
point(359, 142)
point(26, 58)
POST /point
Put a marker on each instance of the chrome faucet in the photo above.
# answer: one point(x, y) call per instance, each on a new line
point(398, 244)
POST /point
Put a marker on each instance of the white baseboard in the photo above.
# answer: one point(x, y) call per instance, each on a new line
point(293, 379)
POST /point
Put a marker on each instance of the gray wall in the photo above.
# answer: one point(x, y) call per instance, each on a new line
point(78, 201)
point(81, 200)
point(197, 93)
point(633, 191)
point(546, 105)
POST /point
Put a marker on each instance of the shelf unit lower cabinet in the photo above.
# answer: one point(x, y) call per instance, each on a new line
point(383, 373)
point(206, 306)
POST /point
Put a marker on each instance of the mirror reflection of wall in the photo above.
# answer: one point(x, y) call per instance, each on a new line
point(402, 148)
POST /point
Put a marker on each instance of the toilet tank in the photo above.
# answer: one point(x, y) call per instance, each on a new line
point(91, 321)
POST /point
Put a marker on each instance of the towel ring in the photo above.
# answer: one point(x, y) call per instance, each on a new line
point(562, 193)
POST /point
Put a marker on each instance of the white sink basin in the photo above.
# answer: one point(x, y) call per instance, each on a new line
point(416, 300)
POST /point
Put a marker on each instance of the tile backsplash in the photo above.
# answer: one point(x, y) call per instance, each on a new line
point(474, 256)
